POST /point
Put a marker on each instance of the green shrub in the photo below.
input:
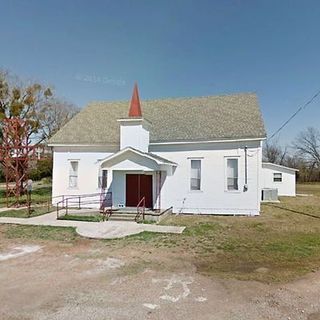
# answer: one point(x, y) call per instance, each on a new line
point(43, 169)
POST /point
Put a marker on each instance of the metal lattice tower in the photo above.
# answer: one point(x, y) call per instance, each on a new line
point(15, 155)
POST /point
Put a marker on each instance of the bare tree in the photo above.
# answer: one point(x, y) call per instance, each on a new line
point(308, 146)
point(274, 153)
point(53, 116)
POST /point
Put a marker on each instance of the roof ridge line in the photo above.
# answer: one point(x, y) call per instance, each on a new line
point(177, 98)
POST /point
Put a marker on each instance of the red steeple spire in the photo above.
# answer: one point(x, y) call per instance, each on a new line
point(135, 108)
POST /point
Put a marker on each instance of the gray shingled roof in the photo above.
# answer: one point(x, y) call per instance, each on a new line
point(175, 119)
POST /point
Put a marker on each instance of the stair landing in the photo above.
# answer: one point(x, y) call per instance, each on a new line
point(125, 214)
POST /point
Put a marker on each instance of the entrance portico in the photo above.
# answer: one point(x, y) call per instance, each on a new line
point(133, 174)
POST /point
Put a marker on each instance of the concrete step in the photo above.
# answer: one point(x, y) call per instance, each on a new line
point(121, 218)
point(130, 212)
point(123, 215)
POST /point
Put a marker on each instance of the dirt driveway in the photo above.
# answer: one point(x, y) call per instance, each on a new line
point(90, 280)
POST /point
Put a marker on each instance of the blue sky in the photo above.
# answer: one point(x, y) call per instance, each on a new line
point(95, 50)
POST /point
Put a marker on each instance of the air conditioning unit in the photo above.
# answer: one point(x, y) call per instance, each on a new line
point(269, 194)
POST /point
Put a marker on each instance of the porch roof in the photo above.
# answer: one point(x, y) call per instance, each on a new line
point(146, 155)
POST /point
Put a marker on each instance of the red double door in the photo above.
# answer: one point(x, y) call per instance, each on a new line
point(137, 187)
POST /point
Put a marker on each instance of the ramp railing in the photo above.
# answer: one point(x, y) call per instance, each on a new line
point(81, 201)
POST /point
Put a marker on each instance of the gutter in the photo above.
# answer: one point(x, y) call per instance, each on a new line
point(206, 141)
point(157, 143)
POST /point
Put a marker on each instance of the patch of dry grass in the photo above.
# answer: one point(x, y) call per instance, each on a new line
point(279, 245)
point(309, 188)
point(283, 243)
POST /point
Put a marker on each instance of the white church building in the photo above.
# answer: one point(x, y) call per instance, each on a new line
point(198, 155)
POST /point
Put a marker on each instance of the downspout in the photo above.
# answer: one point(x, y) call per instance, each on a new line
point(245, 187)
point(159, 189)
point(160, 182)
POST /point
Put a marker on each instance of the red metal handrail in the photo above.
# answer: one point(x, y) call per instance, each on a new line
point(141, 208)
point(78, 201)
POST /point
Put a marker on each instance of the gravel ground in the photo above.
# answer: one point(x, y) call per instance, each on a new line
point(91, 281)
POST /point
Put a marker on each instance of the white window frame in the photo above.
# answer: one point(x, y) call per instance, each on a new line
point(190, 174)
point(226, 174)
point(281, 177)
point(103, 173)
point(76, 186)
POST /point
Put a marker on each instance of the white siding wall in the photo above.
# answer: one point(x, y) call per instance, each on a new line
point(213, 198)
point(133, 134)
point(88, 171)
point(285, 188)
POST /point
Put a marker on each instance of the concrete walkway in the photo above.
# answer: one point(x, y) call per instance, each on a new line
point(95, 230)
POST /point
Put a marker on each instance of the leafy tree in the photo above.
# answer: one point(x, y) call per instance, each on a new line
point(36, 104)
point(22, 101)
point(42, 169)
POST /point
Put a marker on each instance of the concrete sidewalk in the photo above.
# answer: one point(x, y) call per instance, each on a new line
point(95, 230)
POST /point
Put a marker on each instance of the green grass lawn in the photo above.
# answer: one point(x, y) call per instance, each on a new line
point(40, 195)
point(39, 233)
point(96, 218)
point(23, 213)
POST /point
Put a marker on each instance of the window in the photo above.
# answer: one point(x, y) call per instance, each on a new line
point(277, 177)
point(232, 174)
point(103, 179)
point(195, 181)
point(73, 174)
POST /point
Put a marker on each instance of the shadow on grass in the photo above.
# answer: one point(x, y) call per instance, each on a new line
point(294, 211)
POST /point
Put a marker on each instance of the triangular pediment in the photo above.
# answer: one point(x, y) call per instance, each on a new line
point(132, 159)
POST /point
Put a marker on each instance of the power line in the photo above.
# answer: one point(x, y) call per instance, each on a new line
point(299, 109)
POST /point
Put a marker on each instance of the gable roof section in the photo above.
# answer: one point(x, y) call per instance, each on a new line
point(279, 167)
point(173, 120)
point(159, 160)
